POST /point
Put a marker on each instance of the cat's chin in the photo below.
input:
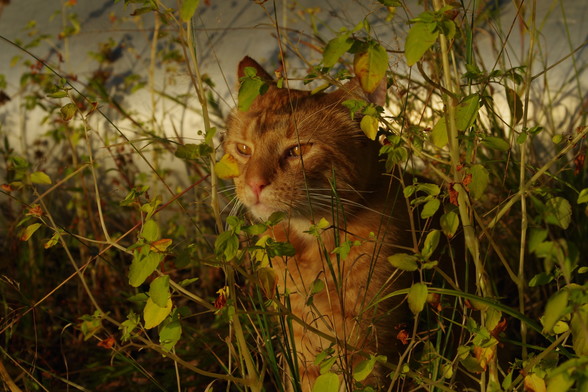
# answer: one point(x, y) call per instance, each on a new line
point(261, 212)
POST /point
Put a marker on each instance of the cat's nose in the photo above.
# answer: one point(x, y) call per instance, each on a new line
point(257, 184)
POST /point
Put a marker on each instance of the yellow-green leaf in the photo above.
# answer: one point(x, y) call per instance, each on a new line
point(40, 178)
point(188, 9)
point(363, 369)
point(555, 310)
point(404, 262)
point(370, 67)
point(159, 290)
point(480, 179)
point(417, 297)
point(534, 383)
point(558, 211)
point(328, 382)
point(29, 231)
point(142, 267)
point(68, 111)
point(579, 331)
point(583, 196)
point(154, 314)
point(449, 223)
point(150, 231)
point(170, 334)
point(336, 48)
point(421, 37)
point(369, 126)
point(227, 167)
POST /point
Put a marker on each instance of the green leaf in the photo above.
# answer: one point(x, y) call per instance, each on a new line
point(154, 314)
point(188, 9)
point(480, 179)
point(169, 334)
point(370, 67)
point(515, 105)
point(68, 111)
point(430, 208)
point(583, 196)
point(317, 286)
point(363, 369)
point(421, 37)
point(369, 126)
point(159, 290)
point(193, 151)
point(560, 382)
point(143, 266)
point(227, 245)
point(555, 309)
point(429, 189)
point(439, 133)
point(251, 87)
point(449, 223)
point(128, 326)
point(328, 382)
point(150, 231)
point(540, 279)
point(29, 231)
point(58, 94)
point(268, 281)
point(496, 143)
point(417, 297)
point(431, 243)
point(558, 212)
point(579, 332)
point(404, 262)
point(336, 48)
point(40, 178)
point(466, 112)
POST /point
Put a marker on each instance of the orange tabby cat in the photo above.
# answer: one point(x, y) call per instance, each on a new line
point(303, 154)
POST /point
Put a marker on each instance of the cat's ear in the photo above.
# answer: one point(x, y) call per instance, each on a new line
point(249, 62)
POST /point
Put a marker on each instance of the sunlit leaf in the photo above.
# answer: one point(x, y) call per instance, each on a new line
point(363, 369)
point(40, 178)
point(142, 267)
point(579, 332)
point(251, 87)
point(430, 208)
point(328, 382)
point(558, 211)
point(449, 223)
point(154, 314)
point(421, 37)
point(150, 231)
point(370, 67)
point(534, 383)
point(29, 231)
point(227, 167)
point(159, 290)
point(560, 382)
point(188, 9)
point(480, 179)
point(431, 242)
point(336, 48)
point(404, 262)
point(417, 297)
point(555, 309)
point(369, 126)
point(169, 334)
point(496, 143)
point(68, 111)
point(583, 196)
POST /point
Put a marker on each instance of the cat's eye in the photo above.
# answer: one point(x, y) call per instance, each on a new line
point(244, 149)
point(298, 150)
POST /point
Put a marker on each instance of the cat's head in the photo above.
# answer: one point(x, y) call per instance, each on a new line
point(292, 147)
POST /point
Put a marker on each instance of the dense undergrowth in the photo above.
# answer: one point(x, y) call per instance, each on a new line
point(122, 257)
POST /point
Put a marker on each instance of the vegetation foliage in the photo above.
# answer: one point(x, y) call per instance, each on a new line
point(124, 270)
